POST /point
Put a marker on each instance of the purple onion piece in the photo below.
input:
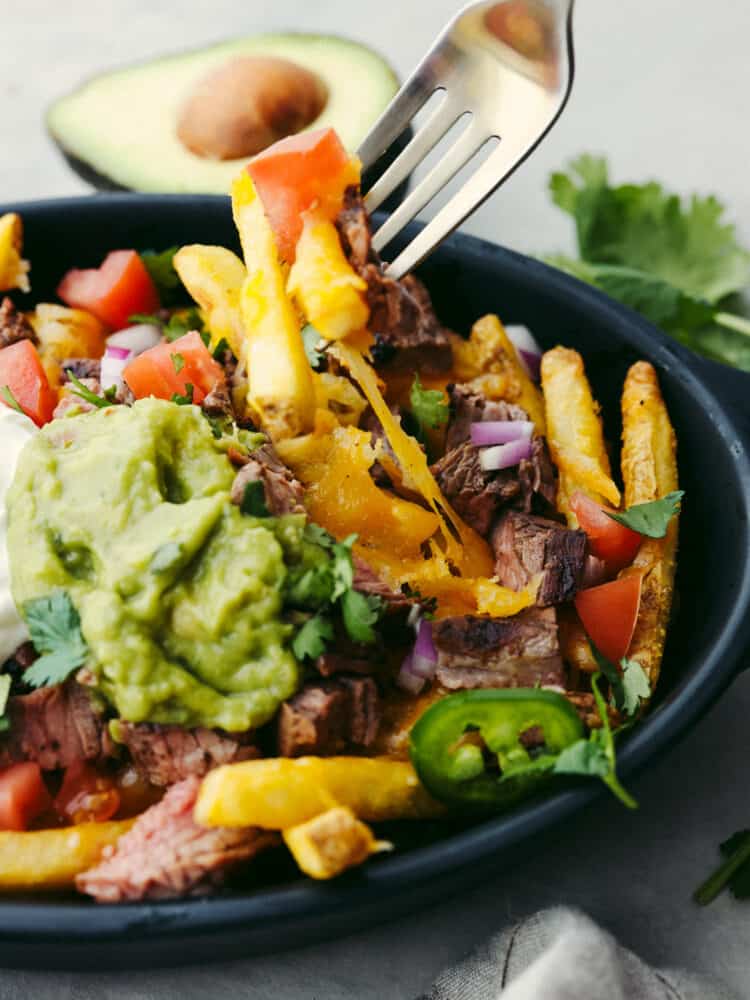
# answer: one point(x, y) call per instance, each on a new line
point(491, 432)
point(528, 350)
point(504, 456)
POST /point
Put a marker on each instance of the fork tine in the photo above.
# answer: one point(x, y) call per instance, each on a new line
point(460, 153)
point(495, 169)
point(442, 119)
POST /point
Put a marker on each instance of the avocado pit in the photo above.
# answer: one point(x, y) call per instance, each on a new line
point(247, 104)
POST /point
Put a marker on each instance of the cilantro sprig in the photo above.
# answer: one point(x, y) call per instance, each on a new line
point(628, 684)
point(428, 407)
point(677, 262)
point(161, 269)
point(55, 629)
point(650, 519)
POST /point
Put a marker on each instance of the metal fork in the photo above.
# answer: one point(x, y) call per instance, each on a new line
point(510, 66)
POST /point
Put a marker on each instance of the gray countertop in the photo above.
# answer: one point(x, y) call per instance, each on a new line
point(647, 96)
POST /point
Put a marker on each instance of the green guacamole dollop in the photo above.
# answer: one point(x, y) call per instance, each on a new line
point(180, 594)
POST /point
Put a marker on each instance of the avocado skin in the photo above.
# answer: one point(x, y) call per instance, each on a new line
point(102, 182)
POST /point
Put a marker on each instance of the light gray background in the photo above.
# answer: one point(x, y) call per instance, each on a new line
point(662, 89)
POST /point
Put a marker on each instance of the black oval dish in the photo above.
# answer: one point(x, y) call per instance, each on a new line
point(710, 632)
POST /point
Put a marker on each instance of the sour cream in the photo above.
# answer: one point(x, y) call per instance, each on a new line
point(15, 431)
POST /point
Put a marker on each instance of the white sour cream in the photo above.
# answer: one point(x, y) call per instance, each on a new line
point(15, 431)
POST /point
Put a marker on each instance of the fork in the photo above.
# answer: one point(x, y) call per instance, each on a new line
point(509, 66)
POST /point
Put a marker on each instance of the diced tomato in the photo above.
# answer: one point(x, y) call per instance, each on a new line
point(26, 382)
point(116, 290)
point(168, 369)
point(609, 614)
point(86, 795)
point(23, 795)
point(608, 540)
point(291, 175)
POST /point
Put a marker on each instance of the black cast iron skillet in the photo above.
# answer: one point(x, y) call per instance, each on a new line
point(710, 632)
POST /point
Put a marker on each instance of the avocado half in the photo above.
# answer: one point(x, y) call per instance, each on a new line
point(119, 130)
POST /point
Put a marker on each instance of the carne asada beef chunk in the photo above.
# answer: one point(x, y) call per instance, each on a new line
point(468, 407)
point(283, 493)
point(330, 717)
point(166, 854)
point(55, 726)
point(479, 496)
point(13, 325)
point(522, 651)
point(164, 755)
point(525, 546)
point(218, 403)
point(408, 336)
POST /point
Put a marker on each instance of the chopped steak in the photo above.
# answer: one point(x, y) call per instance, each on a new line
point(166, 854)
point(354, 230)
point(218, 403)
point(522, 651)
point(331, 664)
point(283, 493)
point(469, 407)
point(525, 546)
point(537, 478)
point(475, 494)
point(82, 368)
point(408, 336)
point(164, 755)
point(13, 325)
point(330, 717)
point(55, 726)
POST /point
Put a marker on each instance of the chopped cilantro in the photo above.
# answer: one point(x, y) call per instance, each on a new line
point(55, 629)
point(82, 392)
point(629, 684)
point(10, 399)
point(187, 399)
point(165, 558)
point(360, 612)
point(313, 343)
point(310, 641)
point(319, 536)
point(596, 756)
point(178, 362)
point(180, 322)
point(160, 267)
point(428, 406)
point(650, 519)
point(254, 500)
point(219, 425)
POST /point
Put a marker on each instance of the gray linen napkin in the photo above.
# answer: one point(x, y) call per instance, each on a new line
point(560, 954)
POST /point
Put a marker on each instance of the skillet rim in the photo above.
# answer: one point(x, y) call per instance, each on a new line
point(55, 924)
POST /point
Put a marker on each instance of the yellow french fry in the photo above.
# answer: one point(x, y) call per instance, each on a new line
point(328, 844)
point(14, 270)
point(214, 276)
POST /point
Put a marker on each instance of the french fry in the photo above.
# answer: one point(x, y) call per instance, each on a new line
point(323, 283)
point(649, 471)
point(328, 844)
point(280, 384)
point(14, 270)
point(51, 859)
point(280, 793)
point(214, 276)
point(574, 432)
point(65, 333)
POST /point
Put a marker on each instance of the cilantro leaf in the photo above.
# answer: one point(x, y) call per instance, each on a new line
point(10, 399)
point(312, 341)
point(635, 685)
point(55, 629)
point(318, 536)
point(5, 683)
point(342, 567)
point(646, 228)
point(178, 362)
point(583, 757)
point(613, 675)
point(428, 406)
point(734, 871)
point(160, 267)
point(187, 399)
point(254, 500)
point(650, 519)
point(311, 639)
point(82, 392)
point(360, 612)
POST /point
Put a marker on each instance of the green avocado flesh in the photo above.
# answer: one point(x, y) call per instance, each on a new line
point(122, 125)
point(179, 593)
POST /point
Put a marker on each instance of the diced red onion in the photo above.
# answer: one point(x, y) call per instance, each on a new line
point(492, 432)
point(407, 679)
point(137, 339)
point(420, 665)
point(529, 352)
point(113, 365)
point(504, 456)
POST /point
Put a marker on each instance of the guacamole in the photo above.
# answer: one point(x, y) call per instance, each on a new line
point(179, 593)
